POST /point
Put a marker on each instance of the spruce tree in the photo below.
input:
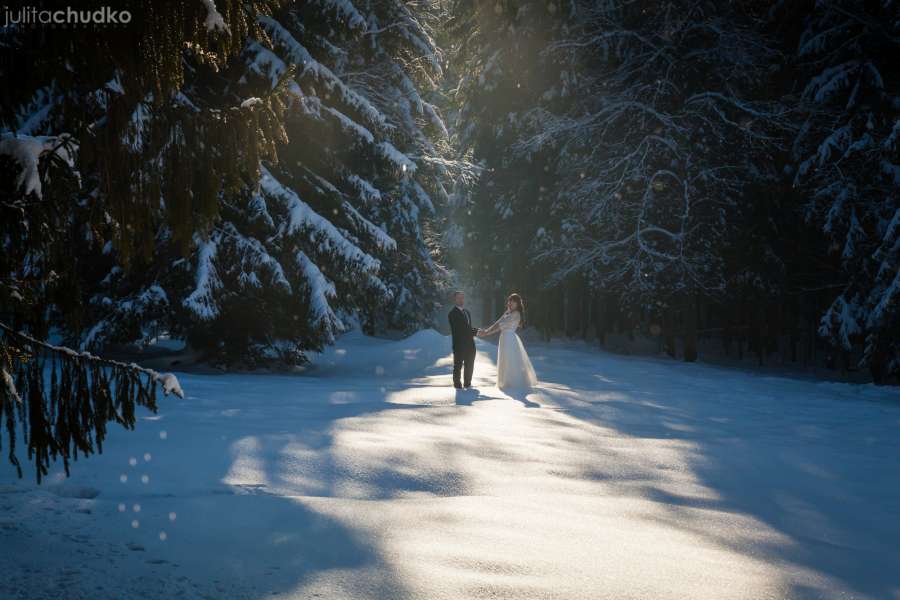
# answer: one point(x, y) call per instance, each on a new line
point(847, 159)
point(84, 134)
point(279, 162)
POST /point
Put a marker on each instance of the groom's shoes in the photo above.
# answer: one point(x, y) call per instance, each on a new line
point(457, 386)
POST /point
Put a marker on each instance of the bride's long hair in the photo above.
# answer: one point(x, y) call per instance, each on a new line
point(520, 304)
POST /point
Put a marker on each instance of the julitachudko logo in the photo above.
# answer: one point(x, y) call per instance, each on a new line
point(31, 15)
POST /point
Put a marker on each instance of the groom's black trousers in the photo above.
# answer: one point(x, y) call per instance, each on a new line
point(464, 358)
point(463, 344)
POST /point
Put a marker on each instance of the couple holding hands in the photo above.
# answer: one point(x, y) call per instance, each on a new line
point(514, 370)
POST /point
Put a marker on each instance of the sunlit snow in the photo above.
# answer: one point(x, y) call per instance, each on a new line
point(370, 477)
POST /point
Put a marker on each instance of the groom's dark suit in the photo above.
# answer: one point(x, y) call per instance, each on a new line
point(463, 344)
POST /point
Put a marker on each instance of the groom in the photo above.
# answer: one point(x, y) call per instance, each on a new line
point(463, 342)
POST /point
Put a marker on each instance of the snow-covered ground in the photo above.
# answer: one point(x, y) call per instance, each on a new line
point(370, 477)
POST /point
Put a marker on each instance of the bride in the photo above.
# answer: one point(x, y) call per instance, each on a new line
point(514, 370)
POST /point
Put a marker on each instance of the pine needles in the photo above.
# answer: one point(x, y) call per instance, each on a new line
point(61, 400)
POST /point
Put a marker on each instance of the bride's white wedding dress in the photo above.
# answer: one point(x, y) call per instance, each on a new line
point(514, 370)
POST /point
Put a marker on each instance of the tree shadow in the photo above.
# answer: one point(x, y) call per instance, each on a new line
point(796, 461)
point(260, 498)
point(252, 494)
point(235, 522)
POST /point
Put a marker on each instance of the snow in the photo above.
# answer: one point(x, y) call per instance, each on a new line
point(301, 216)
point(9, 385)
point(250, 102)
point(880, 313)
point(167, 342)
point(138, 124)
point(214, 19)
point(297, 54)
point(367, 191)
point(254, 257)
point(170, 384)
point(27, 151)
point(93, 334)
point(369, 477)
point(349, 125)
point(411, 30)
point(378, 234)
point(423, 197)
point(395, 156)
point(841, 316)
point(115, 85)
point(202, 301)
point(347, 12)
point(891, 172)
point(32, 116)
point(320, 292)
point(259, 210)
point(266, 63)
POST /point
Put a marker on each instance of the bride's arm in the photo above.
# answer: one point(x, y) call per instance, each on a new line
point(492, 328)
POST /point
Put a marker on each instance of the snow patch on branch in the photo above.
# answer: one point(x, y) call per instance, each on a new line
point(253, 256)
point(841, 315)
point(266, 63)
point(348, 124)
point(297, 54)
point(401, 160)
point(169, 383)
point(137, 125)
point(346, 11)
point(214, 19)
point(202, 301)
point(382, 239)
point(10, 385)
point(37, 111)
point(423, 197)
point(28, 150)
point(367, 191)
point(320, 291)
point(302, 217)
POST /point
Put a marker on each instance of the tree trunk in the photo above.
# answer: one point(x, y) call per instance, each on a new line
point(573, 309)
point(756, 334)
point(793, 343)
point(546, 315)
point(876, 366)
point(586, 302)
point(601, 313)
point(689, 317)
point(668, 331)
point(727, 336)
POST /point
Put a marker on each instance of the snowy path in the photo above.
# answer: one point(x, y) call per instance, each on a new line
point(371, 478)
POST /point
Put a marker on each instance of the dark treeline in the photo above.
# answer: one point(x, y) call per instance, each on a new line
point(689, 170)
